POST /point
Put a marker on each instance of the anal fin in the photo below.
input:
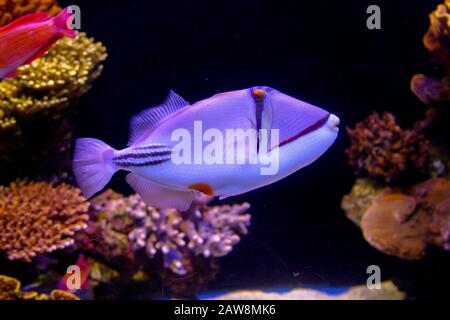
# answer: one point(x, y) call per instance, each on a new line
point(158, 196)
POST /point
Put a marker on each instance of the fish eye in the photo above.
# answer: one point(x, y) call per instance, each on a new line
point(259, 95)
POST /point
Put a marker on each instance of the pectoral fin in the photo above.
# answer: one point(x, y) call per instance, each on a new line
point(158, 196)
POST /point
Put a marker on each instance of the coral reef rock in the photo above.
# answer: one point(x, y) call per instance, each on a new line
point(37, 218)
point(381, 149)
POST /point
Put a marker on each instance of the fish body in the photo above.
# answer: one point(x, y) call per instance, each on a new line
point(28, 38)
point(223, 146)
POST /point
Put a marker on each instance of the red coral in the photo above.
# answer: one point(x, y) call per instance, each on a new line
point(381, 149)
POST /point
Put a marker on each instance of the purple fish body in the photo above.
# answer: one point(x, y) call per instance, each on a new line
point(226, 145)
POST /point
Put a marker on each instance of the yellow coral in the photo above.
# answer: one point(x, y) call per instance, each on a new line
point(50, 83)
point(10, 289)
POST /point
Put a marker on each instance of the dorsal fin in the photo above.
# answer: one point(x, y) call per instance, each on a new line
point(147, 119)
point(29, 18)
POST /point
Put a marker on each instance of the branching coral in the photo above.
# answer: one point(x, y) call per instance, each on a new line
point(10, 289)
point(38, 218)
point(13, 9)
point(126, 225)
point(206, 231)
point(380, 148)
point(403, 224)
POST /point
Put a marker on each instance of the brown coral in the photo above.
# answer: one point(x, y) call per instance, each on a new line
point(381, 149)
point(403, 224)
point(38, 218)
point(13, 9)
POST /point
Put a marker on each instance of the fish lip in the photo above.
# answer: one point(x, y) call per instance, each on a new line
point(329, 119)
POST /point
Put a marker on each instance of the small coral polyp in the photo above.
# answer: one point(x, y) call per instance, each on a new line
point(37, 218)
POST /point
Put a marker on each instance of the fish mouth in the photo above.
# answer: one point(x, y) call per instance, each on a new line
point(330, 120)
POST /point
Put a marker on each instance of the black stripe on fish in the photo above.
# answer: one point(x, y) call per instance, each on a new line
point(132, 154)
point(129, 164)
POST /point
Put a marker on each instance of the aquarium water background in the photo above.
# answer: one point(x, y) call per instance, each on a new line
point(318, 51)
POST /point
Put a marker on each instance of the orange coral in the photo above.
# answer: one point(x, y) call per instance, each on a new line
point(380, 148)
point(403, 225)
point(13, 9)
point(38, 218)
point(387, 226)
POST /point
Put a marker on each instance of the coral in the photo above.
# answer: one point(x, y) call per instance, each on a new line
point(430, 90)
point(120, 227)
point(206, 231)
point(13, 9)
point(10, 289)
point(359, 199)
point(34, 106)
point(390, 226)
point(50, 83)
point(437, 38)
point(380, 148)
point(38, 218)
point(437, 42)
point(404, 223)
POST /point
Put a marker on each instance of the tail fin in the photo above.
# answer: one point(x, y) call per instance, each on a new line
point(62, 22)
point(92, 165)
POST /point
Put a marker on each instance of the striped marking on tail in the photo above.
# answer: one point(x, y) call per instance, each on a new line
point(143, 156)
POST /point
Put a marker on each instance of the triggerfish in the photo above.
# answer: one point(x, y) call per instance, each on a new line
point(226, 145)
point(28, 38)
